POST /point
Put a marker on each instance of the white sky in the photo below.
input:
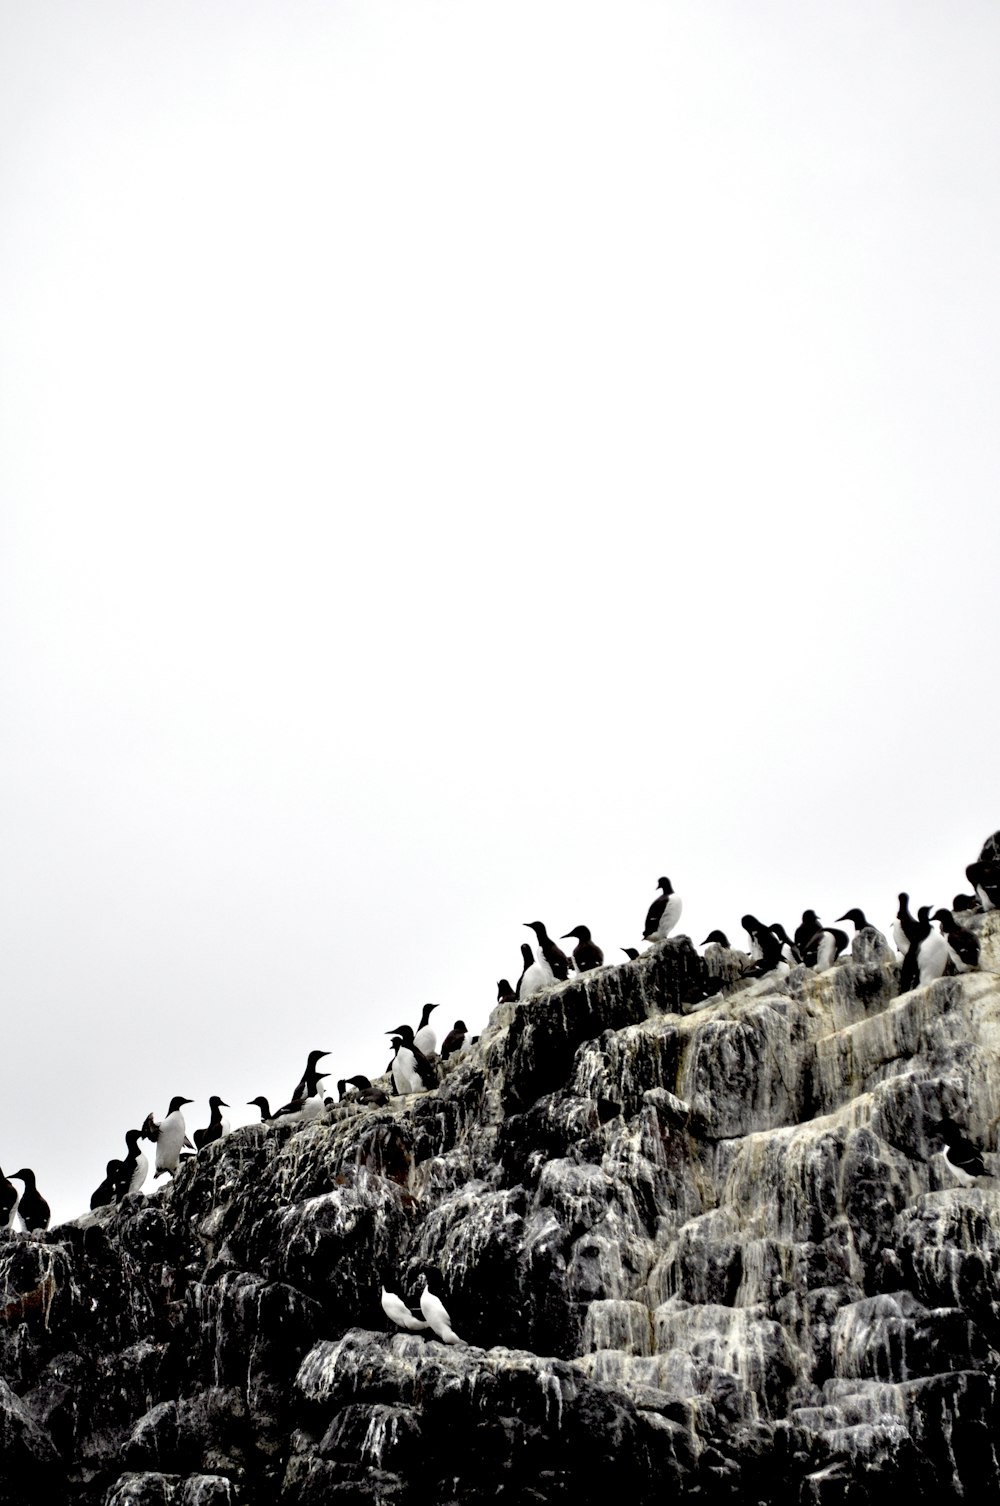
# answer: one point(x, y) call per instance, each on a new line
point(460, 461)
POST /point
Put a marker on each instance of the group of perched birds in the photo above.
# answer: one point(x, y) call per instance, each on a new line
point(414, 1066)
point(415, 1063)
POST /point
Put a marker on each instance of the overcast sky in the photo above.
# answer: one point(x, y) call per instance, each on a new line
point(459, 462)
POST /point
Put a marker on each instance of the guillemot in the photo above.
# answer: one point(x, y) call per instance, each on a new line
point(424, 1037)
point(663, 914)
point(169, 1136)
point(552, 954)
point(586, 954)
point(218, 1124)
point(32, 1209)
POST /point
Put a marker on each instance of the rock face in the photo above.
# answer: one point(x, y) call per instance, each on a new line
point(693, 1246)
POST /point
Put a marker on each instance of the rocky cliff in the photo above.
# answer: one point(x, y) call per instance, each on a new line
point(696, 1248)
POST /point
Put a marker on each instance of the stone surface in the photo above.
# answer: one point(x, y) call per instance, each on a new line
point(699, 1245)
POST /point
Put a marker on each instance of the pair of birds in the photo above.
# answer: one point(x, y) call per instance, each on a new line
point(125, 1176)
point(435, 1315)
point(813, 944)
point(30, 1206)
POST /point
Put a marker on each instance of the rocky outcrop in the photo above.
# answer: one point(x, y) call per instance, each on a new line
point(693, 1243)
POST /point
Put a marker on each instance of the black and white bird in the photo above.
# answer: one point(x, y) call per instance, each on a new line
point(663, 914)
point(536, 974)
point(985, 880)
point(411, 1071)
point(307, 1085)
point(135, 1167)
point(552, 954)
point(218, 1124)
point(32, 1209)
point(454, 1042)
point(397, 1312)
point(424, 1037)
point(506, 994)
point(586, 954)
point(927, 955)
point(437, 1316)
point(963, 943)
point(806, 937)
point(8, 1202)
point(963, 1158)
point(829, 943)
point(631, 952)
point(110, 1190)
point(169, 1135)
point(765, 948)
point(904, 927)
point(789, 951)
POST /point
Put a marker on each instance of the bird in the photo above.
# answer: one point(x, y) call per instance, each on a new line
point(552, 954)
point(306, 1085)
point(110, 1190)
point(663, 914)
point(717, 938)
point(454, 1041)
point(534, 975)
point(364, 1092)
point(306, 1108)
point(424, 1037)
point(8, 1202)
point(962, 943)
point(586, 954)
point(32, 1209)
point(436, 1314)
point(927, 955)
point(967, 902)
point(397, 1311)
point(869, 945)
point(789, 951)
point(505, 994)
point(260, 1102)
point(631, 952)
point(985, 880)
point(218, 1124)
point(904, 927)
point(765, 948)
point(830, 942)
point(411, 1071)
point(804, 934)
point(964, 1158)
point(135, 1166)
point(169, 1135)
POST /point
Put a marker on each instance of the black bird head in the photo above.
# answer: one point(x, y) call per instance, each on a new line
point(178, 1103)
point(359, 1081)
point(581, 933)
point(719, 937)
point(215, 1102)
point(665, 885)
point(25, 1175)
point(460, 1025)
point(262, 1104)
point(539, 929)
point(405, 1033)
point(630, 952)
point(856, 917)
point(314, 1057)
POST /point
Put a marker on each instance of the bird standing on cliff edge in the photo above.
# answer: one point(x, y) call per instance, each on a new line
point(436, 1314)
point(169, 1135)
point(663, 914)
point(32, 1209)
point(586, 954)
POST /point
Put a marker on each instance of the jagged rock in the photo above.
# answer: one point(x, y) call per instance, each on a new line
point(693, 1241)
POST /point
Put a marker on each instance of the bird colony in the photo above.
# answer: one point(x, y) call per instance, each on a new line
point(720, 1221)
